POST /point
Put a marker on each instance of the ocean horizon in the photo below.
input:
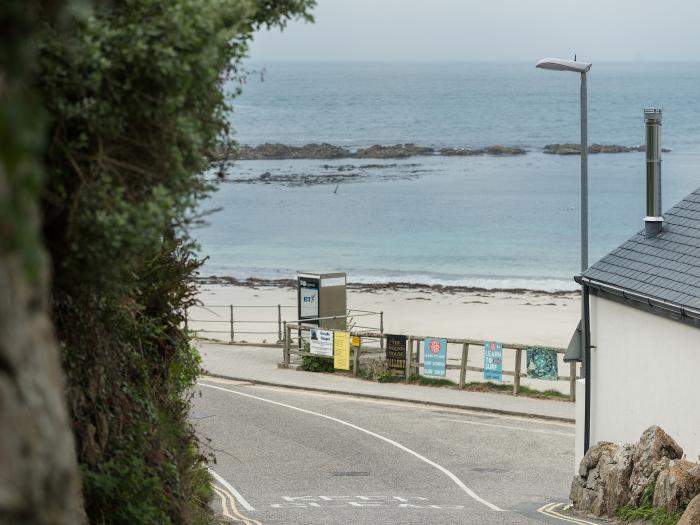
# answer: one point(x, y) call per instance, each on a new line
point(481, 221)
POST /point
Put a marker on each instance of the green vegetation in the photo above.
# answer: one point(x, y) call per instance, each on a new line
point(645, 511)
point(311, 363)
point(490, 386)
point(107, 125)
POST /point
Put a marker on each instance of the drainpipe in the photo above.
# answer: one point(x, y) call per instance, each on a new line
point(586, 336)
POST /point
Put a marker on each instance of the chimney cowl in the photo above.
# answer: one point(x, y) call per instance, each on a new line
point(653, 222)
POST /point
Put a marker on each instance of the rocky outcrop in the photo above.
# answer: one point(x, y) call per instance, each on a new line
point(602, 485)
point(612, 476)
point(497, 150)
point(398, 151)
point(676, 485)
point(283, 151)
point(377, 151)
point(652, 454)
point(691, 516)
point(575, 149)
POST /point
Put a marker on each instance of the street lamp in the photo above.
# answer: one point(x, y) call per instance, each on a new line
point(560, 64)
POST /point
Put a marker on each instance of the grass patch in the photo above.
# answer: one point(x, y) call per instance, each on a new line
point(490, 386)
point(645, 510)
point(317, 364)
point(656, 516)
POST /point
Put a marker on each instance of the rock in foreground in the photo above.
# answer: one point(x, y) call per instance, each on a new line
point(612, 476)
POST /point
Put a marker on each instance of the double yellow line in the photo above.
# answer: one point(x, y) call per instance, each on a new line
point(229, 508)
point(549, 510)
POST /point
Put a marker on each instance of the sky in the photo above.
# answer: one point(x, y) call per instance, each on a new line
point(509, 30)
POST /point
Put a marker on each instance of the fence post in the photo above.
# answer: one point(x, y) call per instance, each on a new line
point(356, 359)
point(417, 353)
point(381, 329)
point(409, 354)
point(286, 357)
point(572, 381)
point(516, 377)
point(231, 318)
point(463, 365)
point(279, 322)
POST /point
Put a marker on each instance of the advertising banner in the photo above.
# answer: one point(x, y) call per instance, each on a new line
point(341, 350)
point(321, 342)
point(396, 351)
point(493, 361)
point(434, 357)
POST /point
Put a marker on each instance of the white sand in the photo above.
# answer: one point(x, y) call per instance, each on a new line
point(531, 319)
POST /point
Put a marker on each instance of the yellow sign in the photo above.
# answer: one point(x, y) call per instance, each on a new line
point(356, 341)
point(341, 350)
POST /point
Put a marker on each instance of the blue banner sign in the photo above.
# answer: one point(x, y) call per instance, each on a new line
point(493, 361)
point(434, 357)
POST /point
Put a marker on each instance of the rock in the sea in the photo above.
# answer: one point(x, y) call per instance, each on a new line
point(652, 454)
point(499, 150)
point(677, 485)
point(397, 151)
point(283, 151)
point(691, 516)
point(575, 149)
point(496, 150)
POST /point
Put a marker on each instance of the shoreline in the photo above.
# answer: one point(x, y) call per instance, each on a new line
point(390, 286)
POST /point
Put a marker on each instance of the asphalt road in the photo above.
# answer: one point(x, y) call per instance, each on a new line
point(294, 457)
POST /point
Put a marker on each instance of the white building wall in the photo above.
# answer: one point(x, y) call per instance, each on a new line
point(646, 371)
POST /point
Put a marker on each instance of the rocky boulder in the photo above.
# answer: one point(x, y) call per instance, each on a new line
point(602, 485)
point(677, 485)
point(691, 516)
point(612, 476)
point(652, 454)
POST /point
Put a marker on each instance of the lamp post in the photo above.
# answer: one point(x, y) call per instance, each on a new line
point(560, 64)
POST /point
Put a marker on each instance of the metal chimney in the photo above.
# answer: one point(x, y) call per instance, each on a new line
point(653, 220)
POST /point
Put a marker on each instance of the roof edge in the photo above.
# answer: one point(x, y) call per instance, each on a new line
point(639, 298)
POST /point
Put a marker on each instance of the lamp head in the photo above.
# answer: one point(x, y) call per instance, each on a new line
point(560, 64)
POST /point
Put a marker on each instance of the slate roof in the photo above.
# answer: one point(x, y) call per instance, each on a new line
point(666, 267)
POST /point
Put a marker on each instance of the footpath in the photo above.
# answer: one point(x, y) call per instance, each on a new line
point(259, 365)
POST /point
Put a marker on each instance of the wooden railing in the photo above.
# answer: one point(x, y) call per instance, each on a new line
point(413, 355)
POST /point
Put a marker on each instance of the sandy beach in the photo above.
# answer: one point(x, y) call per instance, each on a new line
point(514, 316)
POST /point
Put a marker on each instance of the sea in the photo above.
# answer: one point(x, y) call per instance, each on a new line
point(490, 222)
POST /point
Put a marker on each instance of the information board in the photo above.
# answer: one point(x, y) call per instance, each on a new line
point(493, 361)
point(321, 342)
point(341, 350)
point(396, 351)
point(434, 357)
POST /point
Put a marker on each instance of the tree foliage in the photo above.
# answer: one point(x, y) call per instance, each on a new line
point(134, 91)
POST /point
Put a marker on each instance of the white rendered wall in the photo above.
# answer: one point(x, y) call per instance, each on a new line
point(646, 371)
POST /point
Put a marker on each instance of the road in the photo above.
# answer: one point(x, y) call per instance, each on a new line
point(295, 457)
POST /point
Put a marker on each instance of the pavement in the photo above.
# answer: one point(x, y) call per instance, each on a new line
point(259, 365)
point(293, 456)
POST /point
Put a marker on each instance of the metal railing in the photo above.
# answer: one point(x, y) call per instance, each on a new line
point(239, 323)
point(413, 363)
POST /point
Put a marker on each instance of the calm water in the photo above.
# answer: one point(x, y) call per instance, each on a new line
point(496, 222)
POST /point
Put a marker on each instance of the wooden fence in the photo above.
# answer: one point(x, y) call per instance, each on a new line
point(413, 355)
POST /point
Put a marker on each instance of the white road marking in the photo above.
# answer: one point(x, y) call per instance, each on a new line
point(229, 487)
point(357, 398)
point(442, 469)
point(507, 427)
point(548, 510)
